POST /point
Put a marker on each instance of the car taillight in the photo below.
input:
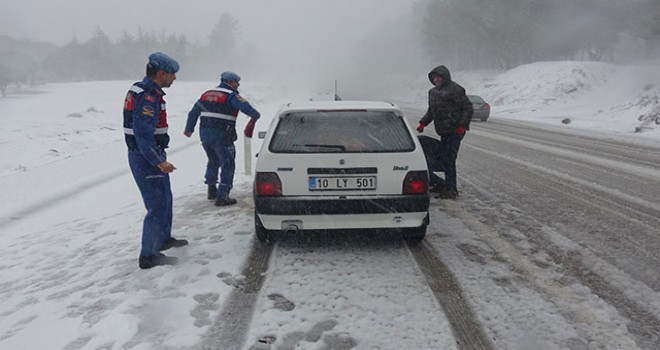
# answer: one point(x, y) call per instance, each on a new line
point(267, 184)
point(416, 182)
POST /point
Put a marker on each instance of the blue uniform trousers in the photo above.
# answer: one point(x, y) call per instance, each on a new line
point(156, 193)
point(221, 157)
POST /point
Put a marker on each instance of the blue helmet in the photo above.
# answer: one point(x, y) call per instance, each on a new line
point(228, 77)
point(161, 61)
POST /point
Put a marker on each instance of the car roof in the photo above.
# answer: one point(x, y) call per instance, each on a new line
point(338, 105)
point(475, 98)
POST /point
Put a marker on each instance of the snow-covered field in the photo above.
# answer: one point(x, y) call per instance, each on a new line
point(70, 214)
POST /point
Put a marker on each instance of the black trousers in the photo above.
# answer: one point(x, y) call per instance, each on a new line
point(450, 146)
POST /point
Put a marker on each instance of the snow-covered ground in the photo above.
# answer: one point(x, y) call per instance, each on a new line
point(70, 214)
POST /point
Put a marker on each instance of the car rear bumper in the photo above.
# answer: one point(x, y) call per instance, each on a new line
point(277, 213)
point(343, 222)
point(482, 115)
point(338, 206)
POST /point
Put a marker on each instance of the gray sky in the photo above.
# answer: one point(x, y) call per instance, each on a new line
point(263, 22)
point(303, 37)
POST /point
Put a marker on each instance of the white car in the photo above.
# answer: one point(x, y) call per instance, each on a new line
point(340, 165)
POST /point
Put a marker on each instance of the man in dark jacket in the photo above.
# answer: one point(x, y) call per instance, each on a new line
point(451, 112)
point(217, 110)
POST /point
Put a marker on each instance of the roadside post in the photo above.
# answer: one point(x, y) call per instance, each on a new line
point(247, 154)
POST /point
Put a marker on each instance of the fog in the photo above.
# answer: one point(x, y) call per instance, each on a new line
point(361, 43)
point(315, 38)
point(267, 23)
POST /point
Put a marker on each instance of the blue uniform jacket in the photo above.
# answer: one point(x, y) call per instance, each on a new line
point(145, 121)
point(218, 107)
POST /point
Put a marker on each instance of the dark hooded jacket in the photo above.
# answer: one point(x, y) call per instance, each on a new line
point(449, 107)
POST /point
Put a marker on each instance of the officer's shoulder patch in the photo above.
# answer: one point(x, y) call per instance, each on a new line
point(148, 111)
point(241, 99)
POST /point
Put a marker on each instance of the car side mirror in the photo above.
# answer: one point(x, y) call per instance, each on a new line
point(261, 134)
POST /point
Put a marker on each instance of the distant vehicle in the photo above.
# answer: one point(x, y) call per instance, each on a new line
point(340, 165)
point(481, 108)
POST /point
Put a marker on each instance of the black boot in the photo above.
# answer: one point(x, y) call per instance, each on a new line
point(437, 189)
point(147, 262)
point(213, 191)
point(173, 243)
point(221, 202)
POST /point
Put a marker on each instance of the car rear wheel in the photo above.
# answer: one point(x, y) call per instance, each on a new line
point(263, 234)
point(415, 233)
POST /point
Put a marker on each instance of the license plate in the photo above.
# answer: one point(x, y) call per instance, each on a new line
point(341, 183)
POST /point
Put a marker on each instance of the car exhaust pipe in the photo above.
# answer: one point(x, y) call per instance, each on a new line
point(292, 226)
point(291, 229)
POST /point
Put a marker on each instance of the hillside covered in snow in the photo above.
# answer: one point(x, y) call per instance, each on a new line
point(592, 95)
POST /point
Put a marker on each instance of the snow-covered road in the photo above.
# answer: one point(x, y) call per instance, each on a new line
point(571, 219)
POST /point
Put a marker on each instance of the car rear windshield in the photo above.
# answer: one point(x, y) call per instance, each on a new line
point(341, 132)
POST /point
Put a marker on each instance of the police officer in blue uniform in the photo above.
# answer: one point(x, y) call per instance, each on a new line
point(217, 110)
point(145, 131)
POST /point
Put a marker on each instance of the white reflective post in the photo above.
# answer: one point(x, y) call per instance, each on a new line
point(247, 153)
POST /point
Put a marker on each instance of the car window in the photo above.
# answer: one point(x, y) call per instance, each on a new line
point(341, 132)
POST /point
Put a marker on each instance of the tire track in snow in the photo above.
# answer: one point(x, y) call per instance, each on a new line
point(231, 327)
point(642, 153)
point(569, 300)
point(643, 324)
point(467, 331)
point(646, 209)
point(647, 172)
